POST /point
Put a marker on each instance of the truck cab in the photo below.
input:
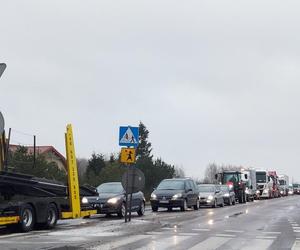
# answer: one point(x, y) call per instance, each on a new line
point(264, 184)
point(234, 180)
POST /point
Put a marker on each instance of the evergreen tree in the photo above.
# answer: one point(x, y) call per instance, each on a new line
point(144, 148)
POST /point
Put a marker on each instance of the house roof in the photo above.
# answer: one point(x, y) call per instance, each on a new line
point(40, 150)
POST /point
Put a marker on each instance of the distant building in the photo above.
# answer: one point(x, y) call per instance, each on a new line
point(50, 153)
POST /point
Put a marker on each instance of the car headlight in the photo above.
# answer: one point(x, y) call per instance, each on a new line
point(226, 195)
point(84, 200)
point(176, 196)
point(113, 200)
point(257, 192)
point(247, 191)
point(153, 196)
point(210, 197)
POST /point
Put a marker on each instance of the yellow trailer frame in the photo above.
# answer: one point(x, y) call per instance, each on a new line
point(73, 183)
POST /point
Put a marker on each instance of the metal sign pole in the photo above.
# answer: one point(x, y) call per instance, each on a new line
point(132, 184)
point(126, 193)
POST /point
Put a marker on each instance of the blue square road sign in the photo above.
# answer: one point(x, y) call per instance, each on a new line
point(129, 136)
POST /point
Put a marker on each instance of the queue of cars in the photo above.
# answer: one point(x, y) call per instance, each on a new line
point(182, 193)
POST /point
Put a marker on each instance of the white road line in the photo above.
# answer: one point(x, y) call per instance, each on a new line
point(201, 229)
point(211, 243)
point(188, 234)
point(296, 231)
point(295, 225)
point(156, 233)
point(271, 232)
point(296, 245)
point(234, 231)
point(266, 237)
point(257, 244)
point(226, 235)
point(164, 243)
point(120, 243)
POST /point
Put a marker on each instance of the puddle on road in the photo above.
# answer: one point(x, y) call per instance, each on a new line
point(235, 215)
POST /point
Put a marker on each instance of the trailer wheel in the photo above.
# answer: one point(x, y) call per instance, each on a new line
point(52, 217)
point(27, 218)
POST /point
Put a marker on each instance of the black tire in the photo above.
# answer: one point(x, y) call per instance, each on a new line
point(170, 209)
point(87, 217)
point(121, 213)
point(196, 207)
point(233, 202)
point(52, 217)
point(141, 210)
point(215, 204)
point(222, 204)
point(27, 218)
point(154, 208)
point(184, 206)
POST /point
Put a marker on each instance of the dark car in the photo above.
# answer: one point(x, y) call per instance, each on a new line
point(210, 195)
point(177, 192)
point(228, 195)
point(112, 200)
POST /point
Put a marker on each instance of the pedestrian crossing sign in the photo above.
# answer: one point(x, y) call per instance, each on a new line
point(128, 155)
point(129, 136)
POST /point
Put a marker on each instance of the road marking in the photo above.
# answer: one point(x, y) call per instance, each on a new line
point(296, 245)
point(257, 244)
point(211, 243)
point(271, 232)
point(234, 231)
point(120, 243)
point(201, 229)
point(156, 233)
point(188, 234)
point(266, 237)
point(295, 225)
point(296, 231)
point(163, 243)
point(226, 235)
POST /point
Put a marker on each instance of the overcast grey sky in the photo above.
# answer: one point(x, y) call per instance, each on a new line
point(213, 81)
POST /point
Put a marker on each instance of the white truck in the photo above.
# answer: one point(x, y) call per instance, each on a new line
point(283, 184)
point(264, 184)
point(250, 183)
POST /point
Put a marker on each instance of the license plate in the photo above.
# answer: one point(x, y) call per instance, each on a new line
point(163, 201)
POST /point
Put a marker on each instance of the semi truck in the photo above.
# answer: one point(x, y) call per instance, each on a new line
point(283, 184)
point(27, 201)
point(250, 183)
point(275, 188)
point(264, 184)
point(235, 181)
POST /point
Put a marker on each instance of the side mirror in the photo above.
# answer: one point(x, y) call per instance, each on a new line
point(246, 176)
point(216, 176)
point(189, 190)
point(217, 191)
point(251, 187)
point(154, 189)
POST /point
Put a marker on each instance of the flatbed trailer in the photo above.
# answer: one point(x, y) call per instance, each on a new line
point(27, 201)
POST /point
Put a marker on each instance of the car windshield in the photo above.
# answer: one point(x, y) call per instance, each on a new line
point(115, 188)
point(171, 185)
point(230, 178)
point(281, 182)
point(206, 189)
point(261, 177)
point(224, 188)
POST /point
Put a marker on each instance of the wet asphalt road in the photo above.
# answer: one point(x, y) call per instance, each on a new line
point(266, 224)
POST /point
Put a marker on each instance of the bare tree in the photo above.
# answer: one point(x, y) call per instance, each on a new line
point(82, 164)
point(211, 170)
point(179, 172)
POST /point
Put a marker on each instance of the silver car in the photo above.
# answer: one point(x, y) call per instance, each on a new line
point(210, 195)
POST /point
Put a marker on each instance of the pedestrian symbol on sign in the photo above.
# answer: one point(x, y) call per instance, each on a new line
point(128, 155)
point(129, 136)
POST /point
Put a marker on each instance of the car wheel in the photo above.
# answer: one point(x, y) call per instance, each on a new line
point(196, 207)
point(170, 209)
point(154, 208)
point(122, 211)
point(222, 204)
point(215, 204)
point(27, 218)
point(52, 217)
point(184, 206)
point(141, 211)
